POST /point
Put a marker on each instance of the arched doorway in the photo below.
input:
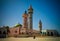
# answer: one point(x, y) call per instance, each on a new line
point(22, 32)
point(48, 34)
point(0, 32)
point(4, 32)
point(51, 33)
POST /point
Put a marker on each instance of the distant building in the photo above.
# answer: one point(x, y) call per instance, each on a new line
point(50, 33)
point(3, 32)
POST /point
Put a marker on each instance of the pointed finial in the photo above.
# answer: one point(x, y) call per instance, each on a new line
point(40, 21)
point(25, 12)
point(30, 7)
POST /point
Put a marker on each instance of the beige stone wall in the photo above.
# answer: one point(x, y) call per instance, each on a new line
point(15, 31)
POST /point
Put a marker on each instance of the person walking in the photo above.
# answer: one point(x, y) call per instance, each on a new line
point(33, 37)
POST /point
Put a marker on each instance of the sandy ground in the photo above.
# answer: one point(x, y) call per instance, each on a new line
point(31, 39)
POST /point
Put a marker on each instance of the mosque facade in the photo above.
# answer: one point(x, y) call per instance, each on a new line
point(26, 29)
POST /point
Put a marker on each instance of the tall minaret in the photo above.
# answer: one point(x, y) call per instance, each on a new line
point(40, 26)
point(25, 16)
point(30, 23)
point(25, 23)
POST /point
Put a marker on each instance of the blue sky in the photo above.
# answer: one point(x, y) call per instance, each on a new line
point(45, 10)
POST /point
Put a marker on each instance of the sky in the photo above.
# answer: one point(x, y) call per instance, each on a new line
point(47, 11)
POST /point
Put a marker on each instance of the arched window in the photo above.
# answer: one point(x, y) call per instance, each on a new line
point(15, 31)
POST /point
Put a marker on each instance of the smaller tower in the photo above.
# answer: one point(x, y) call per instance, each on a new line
point(25, 16)
point(25, 24)
point(40, 26)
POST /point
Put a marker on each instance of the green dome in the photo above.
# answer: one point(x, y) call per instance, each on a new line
point(18, 25)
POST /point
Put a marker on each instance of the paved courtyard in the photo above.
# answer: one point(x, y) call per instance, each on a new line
point(31, 39)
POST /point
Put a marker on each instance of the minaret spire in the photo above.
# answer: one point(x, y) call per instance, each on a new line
point(25, 12)
point(30, 10)
point(30, 14)
point(25, 23)
point(30, 7)
point(40, 26)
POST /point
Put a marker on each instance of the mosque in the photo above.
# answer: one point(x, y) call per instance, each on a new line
point(26, 29)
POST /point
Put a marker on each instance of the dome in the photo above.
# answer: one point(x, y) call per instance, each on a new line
point(25, 14)
point(18, 25)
